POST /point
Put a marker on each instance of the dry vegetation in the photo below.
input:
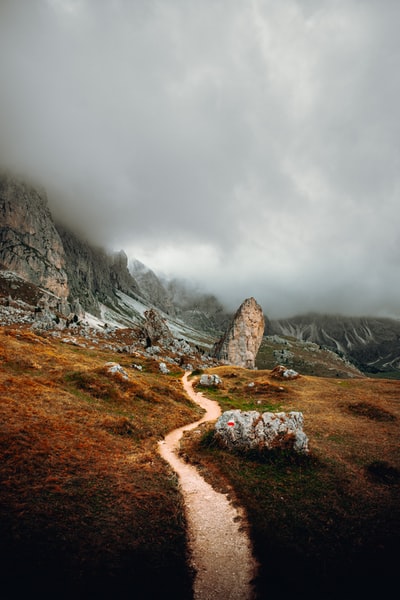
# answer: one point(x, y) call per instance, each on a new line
point(87, 504)
point(325, 525)
point(89, 508)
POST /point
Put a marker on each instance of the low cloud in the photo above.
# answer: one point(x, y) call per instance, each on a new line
point(250, 147)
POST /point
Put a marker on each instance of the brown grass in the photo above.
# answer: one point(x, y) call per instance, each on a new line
point(326, 525)
point(87, 504)
point(89, 508)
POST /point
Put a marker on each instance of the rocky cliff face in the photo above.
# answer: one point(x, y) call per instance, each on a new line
point(152, 288)
point(29, 242)
point(240, 344)
point(52, 257)
point(93, 274)
point(121, 277)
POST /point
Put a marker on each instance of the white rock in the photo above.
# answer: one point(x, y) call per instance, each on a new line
point(113, 368)
point(251, 430)
point(210, 380)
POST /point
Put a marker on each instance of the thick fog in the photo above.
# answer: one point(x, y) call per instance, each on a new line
point(249, 146)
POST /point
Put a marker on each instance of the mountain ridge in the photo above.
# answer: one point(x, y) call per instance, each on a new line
point(371, 343)
point(117, 291)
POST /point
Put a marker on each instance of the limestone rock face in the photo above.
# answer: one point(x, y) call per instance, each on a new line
point(92, 273)
point(251, 430)
point(120, 275)
point(152, 288)
point(240, 344)
point(29, 242)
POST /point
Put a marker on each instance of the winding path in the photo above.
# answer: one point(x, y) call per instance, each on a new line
point(220, 548)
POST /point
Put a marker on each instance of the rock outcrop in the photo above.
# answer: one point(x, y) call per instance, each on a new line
point(155, 329)
point(240, 344)
point(115, 369)
point(29, 242)
point(251, 430)
point(210, 380)
point(282, 372)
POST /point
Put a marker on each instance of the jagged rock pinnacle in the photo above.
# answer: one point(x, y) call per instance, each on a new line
point(240, 344)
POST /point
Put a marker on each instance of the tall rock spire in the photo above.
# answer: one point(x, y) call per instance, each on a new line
point(240, 344)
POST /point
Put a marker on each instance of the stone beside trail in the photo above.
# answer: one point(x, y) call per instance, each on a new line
point(219, 546)
point(250, 430)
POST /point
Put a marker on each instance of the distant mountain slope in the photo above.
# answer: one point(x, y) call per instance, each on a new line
point(177, 298)
point(372, 344)
point(201, 310)
point(151, 287)
point(304, 357)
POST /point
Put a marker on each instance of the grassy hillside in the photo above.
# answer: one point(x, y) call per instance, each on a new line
point(324, 525)
point(88, 507)
point(305, 357)
point(87, 504)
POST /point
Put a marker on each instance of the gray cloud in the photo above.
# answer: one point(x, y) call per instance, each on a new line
point(251, 146)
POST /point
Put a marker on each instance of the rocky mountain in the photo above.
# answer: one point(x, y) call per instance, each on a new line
point(200, 310)
point(303, 357)
point(49, 275)
point(29, 242)
point(370, 343)
point(51, 278)
point(93, 275)
point(152, 288)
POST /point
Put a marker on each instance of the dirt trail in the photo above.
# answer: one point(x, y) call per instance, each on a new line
point(220, 548)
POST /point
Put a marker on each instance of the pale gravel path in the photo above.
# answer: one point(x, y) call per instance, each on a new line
point(219, 545)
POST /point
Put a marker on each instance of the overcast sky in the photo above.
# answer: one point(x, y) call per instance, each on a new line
point(251, 146)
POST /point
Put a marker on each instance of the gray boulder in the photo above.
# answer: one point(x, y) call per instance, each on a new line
point(252, 430)
point(163, 368)
point(210, 380)
point(113, 368)
point(282, 372)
